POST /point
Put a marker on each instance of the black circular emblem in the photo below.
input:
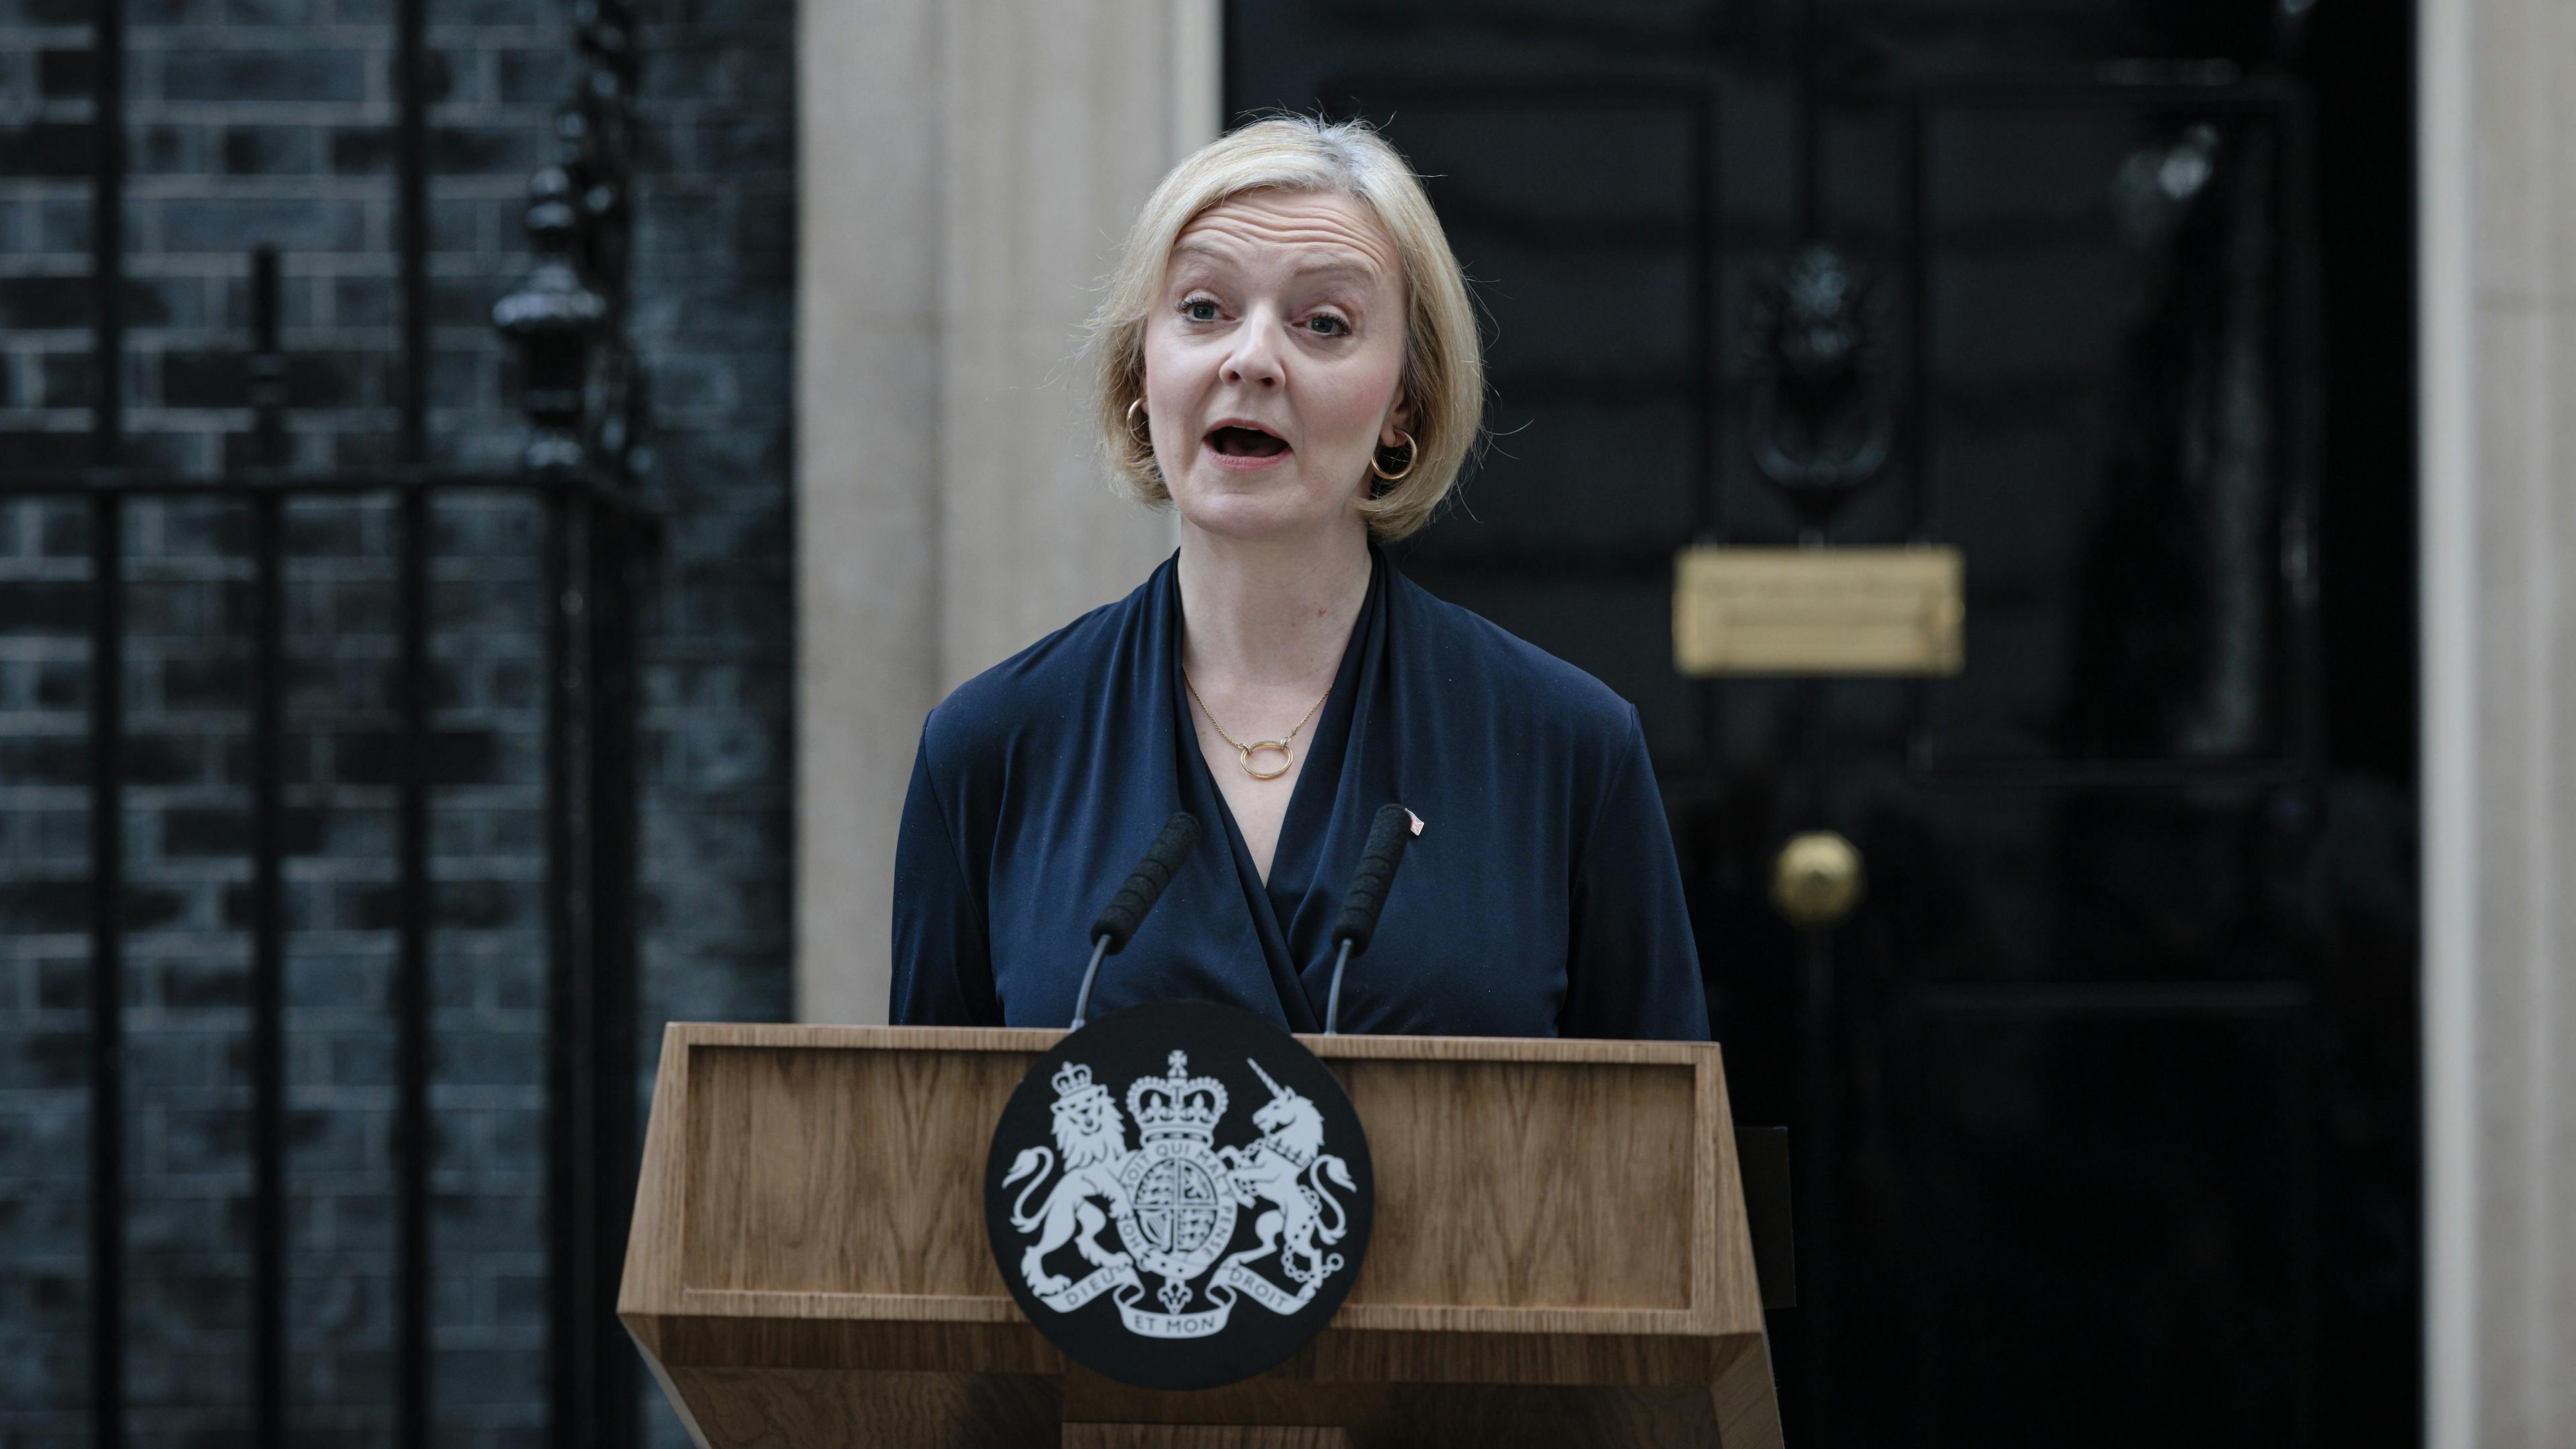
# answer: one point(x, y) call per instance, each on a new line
point(1179, 1195)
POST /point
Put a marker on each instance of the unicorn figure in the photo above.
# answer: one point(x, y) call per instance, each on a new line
point(1285, 1167)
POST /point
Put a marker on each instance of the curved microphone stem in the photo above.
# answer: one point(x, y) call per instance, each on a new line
point(1082, 1003)
point(1388, 832)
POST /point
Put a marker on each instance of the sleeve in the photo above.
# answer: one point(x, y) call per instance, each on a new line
point(1632, 968)
point(943, 964)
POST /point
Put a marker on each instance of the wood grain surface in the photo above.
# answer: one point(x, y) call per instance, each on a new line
point(1201, 1436)
point(1430, 1416)
point(738, 1408)
point(842, 1171)
point(1743, 1398)
point(1561, 1220)
point(1528, 1184)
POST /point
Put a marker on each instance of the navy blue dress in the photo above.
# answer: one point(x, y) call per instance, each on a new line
point(1541, 899)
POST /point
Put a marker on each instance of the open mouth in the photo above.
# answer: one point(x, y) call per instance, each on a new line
point(1234, 441)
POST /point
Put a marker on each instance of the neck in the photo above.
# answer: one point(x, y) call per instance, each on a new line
point(1270, 612)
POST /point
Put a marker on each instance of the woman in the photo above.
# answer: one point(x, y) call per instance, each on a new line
point(1288, 358)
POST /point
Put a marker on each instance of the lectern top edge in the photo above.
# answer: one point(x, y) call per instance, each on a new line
point(1354, 1318)
point(1038, 1039)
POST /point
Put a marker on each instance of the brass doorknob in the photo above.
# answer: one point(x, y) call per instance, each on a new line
point(1817, 879)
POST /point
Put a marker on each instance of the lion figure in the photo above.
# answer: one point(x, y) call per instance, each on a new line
point(1285, 1168)
point(1091, 1141)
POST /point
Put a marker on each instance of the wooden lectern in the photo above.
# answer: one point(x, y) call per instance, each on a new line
point(1560, 1255)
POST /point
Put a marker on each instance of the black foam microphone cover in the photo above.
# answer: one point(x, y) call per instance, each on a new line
point(1389, 833)
point(1126, 910)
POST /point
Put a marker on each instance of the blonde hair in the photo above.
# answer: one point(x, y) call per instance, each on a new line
point(1444, 367)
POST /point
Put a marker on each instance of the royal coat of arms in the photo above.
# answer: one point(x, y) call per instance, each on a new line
point(1175, 1200)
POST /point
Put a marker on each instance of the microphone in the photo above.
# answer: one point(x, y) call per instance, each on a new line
point(1388, 835)
point(1126, 910)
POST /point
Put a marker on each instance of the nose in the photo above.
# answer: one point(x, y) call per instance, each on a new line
point(1254, 362)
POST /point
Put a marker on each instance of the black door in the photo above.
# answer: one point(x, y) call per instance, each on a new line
point(2103, 1095)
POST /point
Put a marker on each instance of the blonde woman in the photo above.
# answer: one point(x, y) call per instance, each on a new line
point(1288, 359)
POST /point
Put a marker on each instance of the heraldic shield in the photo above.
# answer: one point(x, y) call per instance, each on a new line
point(1152, 1227)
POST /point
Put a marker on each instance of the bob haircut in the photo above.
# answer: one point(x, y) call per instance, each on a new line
point(1444, 368)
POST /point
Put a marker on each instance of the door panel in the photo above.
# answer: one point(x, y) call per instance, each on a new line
point(1579, 213)
point(2108, 415)
point(2112, 1305)
point(2133, 887)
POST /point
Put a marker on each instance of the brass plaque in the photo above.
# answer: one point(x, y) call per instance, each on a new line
point(1818, 611)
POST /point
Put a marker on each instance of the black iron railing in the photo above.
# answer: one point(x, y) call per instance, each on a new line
point(596, 536)
point(586, 399)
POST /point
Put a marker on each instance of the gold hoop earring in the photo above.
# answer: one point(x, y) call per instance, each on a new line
point(1131, 416)
point(1412, 455)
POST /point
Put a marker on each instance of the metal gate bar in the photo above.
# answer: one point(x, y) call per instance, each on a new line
point(268, 879)
point(106, 759)
point(590, 703)
point(107, 969)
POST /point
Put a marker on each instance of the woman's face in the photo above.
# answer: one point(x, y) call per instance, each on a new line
point(1271, 363)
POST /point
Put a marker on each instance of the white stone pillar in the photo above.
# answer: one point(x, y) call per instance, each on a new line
point(2499, 639)
point(965, 168)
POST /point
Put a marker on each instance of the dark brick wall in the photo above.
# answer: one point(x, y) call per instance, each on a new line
point(271, 121)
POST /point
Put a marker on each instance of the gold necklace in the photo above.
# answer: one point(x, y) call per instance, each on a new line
point(1242, 752)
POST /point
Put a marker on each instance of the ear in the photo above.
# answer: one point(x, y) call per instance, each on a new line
point(1399, 419)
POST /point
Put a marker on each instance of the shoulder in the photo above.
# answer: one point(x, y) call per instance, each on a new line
point(1505, 674)
point(1037, 692)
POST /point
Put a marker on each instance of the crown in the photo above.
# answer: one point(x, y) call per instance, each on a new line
point(1176, 1104)
point(1073, 1084)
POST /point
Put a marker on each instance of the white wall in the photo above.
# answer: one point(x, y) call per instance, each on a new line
point(966, 169)
point(2499, 639)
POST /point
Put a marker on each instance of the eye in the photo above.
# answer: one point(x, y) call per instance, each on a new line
point(1325, 324)
point(1200, 309)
